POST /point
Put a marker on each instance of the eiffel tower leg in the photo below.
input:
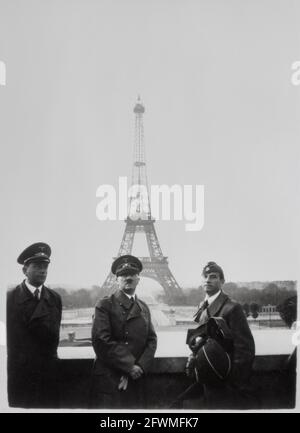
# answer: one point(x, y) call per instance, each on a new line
point(172, 290)
point(152, 241)
point(164, 275)
point(109, 284)
point(159, 271)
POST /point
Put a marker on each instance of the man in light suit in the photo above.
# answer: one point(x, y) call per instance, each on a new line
point(33, 323)
point(124, 341)
point(232, 393)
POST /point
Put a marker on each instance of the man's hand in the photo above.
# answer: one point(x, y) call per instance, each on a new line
point(123, 383)
point(136, 372)
point(190, 366)
point(196, 343)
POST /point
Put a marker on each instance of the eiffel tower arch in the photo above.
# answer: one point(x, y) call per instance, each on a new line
point(140, 220)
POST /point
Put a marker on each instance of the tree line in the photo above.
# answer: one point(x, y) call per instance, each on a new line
point(270, 295)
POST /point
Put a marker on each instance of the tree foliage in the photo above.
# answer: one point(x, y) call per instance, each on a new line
point(254, 309)
point(246, 309)
point(288, 310)
point(270, 295)
point(81, 298)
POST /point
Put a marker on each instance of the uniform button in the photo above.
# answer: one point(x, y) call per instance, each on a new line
point(126, 342)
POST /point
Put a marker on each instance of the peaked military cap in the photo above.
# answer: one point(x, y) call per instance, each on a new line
point(212, 363)
point(213, 267)
point(126, 265)
point(38, 252)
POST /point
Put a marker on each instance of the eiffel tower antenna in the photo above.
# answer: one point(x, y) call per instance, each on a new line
point(139, 220)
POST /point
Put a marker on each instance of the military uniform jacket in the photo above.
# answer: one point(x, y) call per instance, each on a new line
point(32, 340)
point(32, 326)
point(243, 342)
point(122, 335)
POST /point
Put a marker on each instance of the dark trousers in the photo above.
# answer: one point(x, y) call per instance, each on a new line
point(34, 385)
point(109, 397)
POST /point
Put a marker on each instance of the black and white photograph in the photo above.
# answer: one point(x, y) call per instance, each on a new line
point(149, 180)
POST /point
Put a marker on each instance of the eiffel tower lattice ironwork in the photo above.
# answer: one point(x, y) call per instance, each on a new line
point(139, 220)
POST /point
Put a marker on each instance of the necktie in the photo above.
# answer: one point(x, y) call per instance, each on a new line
point(200, 311)
point(36, 294)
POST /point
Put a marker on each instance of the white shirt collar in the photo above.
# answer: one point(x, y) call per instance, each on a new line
point(129, 296)
point(32, 288)
point(211, 299)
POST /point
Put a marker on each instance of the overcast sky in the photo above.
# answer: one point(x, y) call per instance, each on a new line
point(215, 78)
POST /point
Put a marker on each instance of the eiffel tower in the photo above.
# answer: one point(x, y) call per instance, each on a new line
point(139, 220)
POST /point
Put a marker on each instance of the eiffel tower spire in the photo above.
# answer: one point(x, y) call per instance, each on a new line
point(139, 204)
point(139, 220)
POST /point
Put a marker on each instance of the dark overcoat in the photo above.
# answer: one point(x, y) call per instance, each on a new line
point(32, 340)
point(235, 392)
point(122, 336)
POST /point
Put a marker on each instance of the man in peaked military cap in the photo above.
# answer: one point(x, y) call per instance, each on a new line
point(124, 341)
point(33, 323)
point(232, 393)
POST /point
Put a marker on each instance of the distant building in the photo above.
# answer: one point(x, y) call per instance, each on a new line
point(260, 285)
point(267, 309)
